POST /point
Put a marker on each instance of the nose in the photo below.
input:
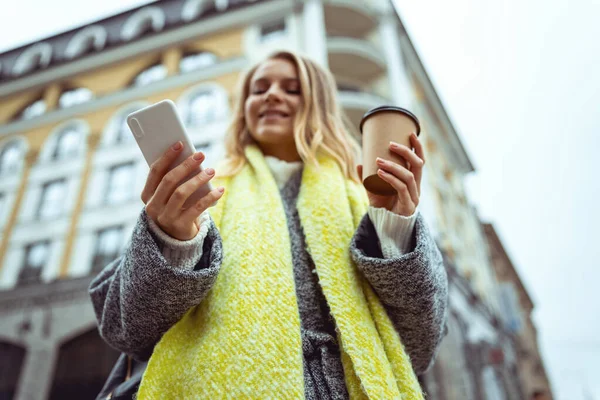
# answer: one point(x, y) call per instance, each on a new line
point(273, 94)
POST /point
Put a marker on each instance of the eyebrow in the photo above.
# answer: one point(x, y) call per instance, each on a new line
point(265, 79)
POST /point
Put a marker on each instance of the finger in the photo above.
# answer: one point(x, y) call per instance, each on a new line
point(203, 204)
point(414, 162)
point(400, 187)
point(185, 190)
point(171, 181)
point(158, 169)
point(418, 146)
point(406, 153)
point(420, 152)
point(401, 173)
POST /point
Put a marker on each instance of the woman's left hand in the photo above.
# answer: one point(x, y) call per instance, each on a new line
point(405, 180)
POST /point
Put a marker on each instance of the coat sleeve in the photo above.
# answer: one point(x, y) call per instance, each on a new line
point(413, 288)
point(140, 295)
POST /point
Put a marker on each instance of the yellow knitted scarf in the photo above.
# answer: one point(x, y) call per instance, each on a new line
point(243, 341)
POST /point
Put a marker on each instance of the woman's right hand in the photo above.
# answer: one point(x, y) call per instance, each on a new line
point(165, 194)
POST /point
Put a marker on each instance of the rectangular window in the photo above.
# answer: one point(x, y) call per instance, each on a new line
point(10, 158)
point(109, 242)
point(34, 260)
point(272, 31)
point(509, 301)
point(120, 184)
point(52, 199)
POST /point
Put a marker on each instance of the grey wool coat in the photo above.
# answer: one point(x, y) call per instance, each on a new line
point(139, 296)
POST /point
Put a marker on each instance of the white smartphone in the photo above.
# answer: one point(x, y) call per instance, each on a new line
point(158, 127)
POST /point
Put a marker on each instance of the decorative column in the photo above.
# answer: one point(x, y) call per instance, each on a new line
point(36, 377)
point(170, 59)
point(51, 96)
point(93, 141)
point(402, 92)
point(315, 34)
point(30, 159)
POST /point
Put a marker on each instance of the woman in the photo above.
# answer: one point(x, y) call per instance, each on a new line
point(290, 287)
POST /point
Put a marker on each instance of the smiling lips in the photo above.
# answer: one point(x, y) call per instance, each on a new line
point(273, 114)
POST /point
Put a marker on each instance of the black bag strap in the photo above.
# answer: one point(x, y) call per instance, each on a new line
point(124, 379)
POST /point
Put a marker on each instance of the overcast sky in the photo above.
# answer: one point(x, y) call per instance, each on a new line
point(521, 82)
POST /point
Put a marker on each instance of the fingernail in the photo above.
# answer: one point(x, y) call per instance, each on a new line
point(198, 156)
point(380, 160)
point(221, 189)
point(177, 146)
point(209, 171)
point(394, 144)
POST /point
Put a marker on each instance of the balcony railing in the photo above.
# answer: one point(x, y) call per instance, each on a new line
point(357, 59)
point(29, 276)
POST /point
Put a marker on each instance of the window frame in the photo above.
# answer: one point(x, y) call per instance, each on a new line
point(4, 150)
point(150, 18)
point(69, 91)
point(109, 179)
point(42, 200)
point(31, 275)
point(189, 54)
point(135, 82)
point(90, 38)
point(100, 260)
point(67, 130)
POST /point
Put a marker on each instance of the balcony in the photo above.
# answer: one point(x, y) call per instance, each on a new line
point(356, 103)
point(357, 59)
point(362, 14)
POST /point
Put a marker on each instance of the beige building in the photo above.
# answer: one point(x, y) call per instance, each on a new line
point(71, 175)
point(518, 306)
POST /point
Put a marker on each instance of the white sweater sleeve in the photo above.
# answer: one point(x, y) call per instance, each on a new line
point(394, 231)
point(184, 254)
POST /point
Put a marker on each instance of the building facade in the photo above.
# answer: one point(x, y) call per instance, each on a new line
point(516, 316)
point(71, 174)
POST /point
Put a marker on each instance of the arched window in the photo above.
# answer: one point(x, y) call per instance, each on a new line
point(32, 110)
point(10, 158)
point(68, 144)
point(152, 74)
point(147, 19)
point(91, 38)
point(193, 9)
point(72, 97)
point(124, 134)
point(194, 61)
point(202, 108)
point(204, 105)
point(120, 185)
point(94, 360)
point(11, 364)
point(37, 56)
point(117, 131)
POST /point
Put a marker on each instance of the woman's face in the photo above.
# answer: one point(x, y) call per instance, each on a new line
point(273, 102)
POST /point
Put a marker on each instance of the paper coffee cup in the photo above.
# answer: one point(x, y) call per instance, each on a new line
point(380, 126)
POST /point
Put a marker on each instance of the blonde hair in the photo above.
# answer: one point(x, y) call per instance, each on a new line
point(319, 125)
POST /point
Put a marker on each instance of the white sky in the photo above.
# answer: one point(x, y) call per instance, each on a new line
point(521, 82)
